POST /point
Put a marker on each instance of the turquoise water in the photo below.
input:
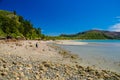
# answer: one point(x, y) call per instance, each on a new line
point(98, 50)
point(100, 41)
point(105, 48)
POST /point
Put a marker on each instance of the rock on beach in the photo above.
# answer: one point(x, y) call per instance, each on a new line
point(35, 64)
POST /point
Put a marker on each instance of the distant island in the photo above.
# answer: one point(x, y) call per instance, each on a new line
point(15, 26)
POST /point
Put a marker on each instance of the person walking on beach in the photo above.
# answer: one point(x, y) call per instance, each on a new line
point(36, 45)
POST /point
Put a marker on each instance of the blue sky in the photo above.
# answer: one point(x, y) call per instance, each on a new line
point(67, 16)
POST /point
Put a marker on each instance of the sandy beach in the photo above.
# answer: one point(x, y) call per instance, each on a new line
point(69, 42)
point(22, 60)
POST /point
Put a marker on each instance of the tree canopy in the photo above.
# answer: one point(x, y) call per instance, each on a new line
point(14, 25)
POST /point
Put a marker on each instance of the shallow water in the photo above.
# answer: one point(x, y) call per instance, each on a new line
point(103, 53)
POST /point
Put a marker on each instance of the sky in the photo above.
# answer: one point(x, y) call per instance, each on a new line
point(56, 17)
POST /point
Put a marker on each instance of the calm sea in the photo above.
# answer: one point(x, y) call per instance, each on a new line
point(98, 50)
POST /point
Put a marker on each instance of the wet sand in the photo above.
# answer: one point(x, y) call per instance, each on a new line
point(69, 42)
point(91, 55)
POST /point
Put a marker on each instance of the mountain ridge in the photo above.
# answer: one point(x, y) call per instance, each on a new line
point(94, 34)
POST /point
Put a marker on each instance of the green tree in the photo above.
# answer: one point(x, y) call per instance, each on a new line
point(14, 12)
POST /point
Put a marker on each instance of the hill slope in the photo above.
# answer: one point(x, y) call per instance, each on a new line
point(94, 34)
point(16, 26)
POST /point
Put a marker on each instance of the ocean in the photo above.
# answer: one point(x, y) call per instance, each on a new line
point(103, 53)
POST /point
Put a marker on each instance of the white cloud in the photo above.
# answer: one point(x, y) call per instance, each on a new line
point(115, 27)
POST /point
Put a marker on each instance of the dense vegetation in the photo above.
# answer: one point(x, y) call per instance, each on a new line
point(94, 34)
point(16, 26)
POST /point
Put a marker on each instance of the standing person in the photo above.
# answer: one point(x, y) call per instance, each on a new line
point(36, 45)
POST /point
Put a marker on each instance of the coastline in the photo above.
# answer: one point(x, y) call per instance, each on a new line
point(21, 60)
point(91, 58)
point(69, 42)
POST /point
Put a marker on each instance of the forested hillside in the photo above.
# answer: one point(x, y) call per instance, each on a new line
point(16, 26)
point(94, 34)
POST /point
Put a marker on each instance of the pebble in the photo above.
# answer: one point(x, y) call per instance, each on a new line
point(37, 77)
point(16, 68)
point(89, 78)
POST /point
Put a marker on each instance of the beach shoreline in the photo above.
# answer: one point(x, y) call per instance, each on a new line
point(23, 60)
point(69, 42)
point(95, 59)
